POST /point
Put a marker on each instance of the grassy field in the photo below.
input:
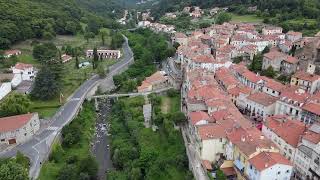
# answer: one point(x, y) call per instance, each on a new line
point(246, 18)
point(170, 104)
point(60, 154)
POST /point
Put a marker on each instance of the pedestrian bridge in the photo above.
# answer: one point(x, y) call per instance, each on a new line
point(131, 94)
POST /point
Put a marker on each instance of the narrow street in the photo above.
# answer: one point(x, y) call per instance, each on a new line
point(100, 144)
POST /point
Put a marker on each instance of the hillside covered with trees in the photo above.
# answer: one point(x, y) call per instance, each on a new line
point(25, 19)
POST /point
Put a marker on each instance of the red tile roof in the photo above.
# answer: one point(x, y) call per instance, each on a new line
point(252, 77)
point(287, 129)
point(272, 84)
point(195, 117)
point(180, 35)
point(13, 123)
point(294, 33)
point(249, 139)
point(204, 59)
point(265, 160)
point(214, 130)
point(229, 171)
point(293, 93)
point(275, 54)
point(306, 76)
point(262, 98)
point(12, 51)
point(312, 137)
point(23, 66)
point(312, 107)
point(291, 60)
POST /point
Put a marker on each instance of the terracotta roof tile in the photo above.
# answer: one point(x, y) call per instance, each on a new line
point(265, 160)
point(262, 98)
point(13, 123)
point(23, 66)
point(289, 130)
point(195, 117)
point(249, 139)
point(306, 76)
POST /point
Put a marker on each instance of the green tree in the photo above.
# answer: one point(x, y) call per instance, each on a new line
point(11, 170)
point(223, 17)
point(101, 71)
point(178, 117)
point(269, 72)
point(44, 52)
point(23, 160)
point(95, 58)
point(103, 33)
point(77, 62)
point(220, 175)
point(71, 27)
point(237, 60)
point(69, 172)
point(89, 165)
point(89, 35)
point(256, 64)
point(15, 104)
point(47, 85)
point(266, 50)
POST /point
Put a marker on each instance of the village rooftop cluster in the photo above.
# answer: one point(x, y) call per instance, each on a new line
point(249, 126)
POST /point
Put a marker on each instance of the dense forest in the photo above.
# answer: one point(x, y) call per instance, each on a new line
point(24, 19)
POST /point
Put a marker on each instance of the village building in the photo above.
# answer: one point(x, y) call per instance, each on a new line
point(273, 59)
point(105, 54)
point(290, 102)
point(245, 144)
point(5, 84)
point(260, 105)
point(286, 46)
point(270, 30)
point(26, 71)
point(180, 38)
point(285, 133)
point(289, 65)
point(306, 81)
point(66, 58)
point(266, 166)
point(293, 36)
point(307, 164)
point(12, 52)
point(311, 110)
point(18, 129)
point(156, 81)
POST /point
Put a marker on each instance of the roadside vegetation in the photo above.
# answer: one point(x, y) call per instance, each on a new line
point(141, 153)
point(69, 77)
point(149, 50)
point(16, 168)
point(71, 158)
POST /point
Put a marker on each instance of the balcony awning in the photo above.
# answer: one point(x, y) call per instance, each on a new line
point(239, 164)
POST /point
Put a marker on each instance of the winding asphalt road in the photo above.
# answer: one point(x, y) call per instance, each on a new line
point(38, 147)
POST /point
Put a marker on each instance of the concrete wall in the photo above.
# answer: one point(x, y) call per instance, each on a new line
point(5, 88)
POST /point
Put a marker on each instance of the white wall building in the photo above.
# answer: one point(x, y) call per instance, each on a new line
point(26, 71)
point(269, 166)
point(18, 129)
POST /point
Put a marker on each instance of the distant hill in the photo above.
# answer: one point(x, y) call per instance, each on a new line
point(24, 19)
